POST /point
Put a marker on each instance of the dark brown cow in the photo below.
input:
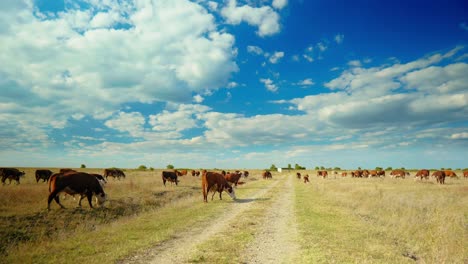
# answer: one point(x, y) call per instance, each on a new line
point(11, 174)
point(306, 178)
point(114, 172)
point(440, 176)
point(246, 174)
point(170, 176)
point(211, 179)
point(75, 183)
point(193, 173)
point(267, 175)
point(398, 174)
point(451, 174)
point(422, 174)
point(298, 175)
point(233, 177)
point(43, 175)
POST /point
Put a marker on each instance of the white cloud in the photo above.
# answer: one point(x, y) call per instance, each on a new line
point(185, 117)
point(339, 38)
point(306, 82)
point(255, 50)
point(355, 63)
point(308, 58)
point(276, 57)
point(198, 98)
point(265, 18)
point(269, 85)
point(127, 122)
point(279, 4)
point(463, 135)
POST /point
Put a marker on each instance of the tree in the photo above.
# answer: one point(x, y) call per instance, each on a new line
point(322, 167)
point(298, 167)
point(273, 167)
point(83, 166)
point(317, 168)
point(337, 168)
point(142, 167)
point(378, 168)
point(289, 166)
point(170, 167)
point(389, 168)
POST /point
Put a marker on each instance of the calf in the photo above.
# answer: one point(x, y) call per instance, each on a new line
point(306, 178)
point(211, 179)
point(43, 175)
point(11, 174)
point(298, 175)
point(169, 176)
point(75, 183)
point(233, 177)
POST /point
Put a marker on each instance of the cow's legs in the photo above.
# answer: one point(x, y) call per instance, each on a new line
point(89, 195)
point(54, 195)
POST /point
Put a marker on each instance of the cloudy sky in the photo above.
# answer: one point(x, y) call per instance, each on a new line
point(234, 83)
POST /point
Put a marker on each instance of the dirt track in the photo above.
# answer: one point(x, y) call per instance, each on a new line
point(274, 240)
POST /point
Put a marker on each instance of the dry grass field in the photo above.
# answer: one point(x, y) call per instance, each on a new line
point(337, 220)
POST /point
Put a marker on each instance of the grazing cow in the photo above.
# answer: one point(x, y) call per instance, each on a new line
point(373, 173)
point(64, 171)
point(306, 178)
point(465, 174)
point(322, 174)
point(75, 183)
point(102, 181)
point(398, 174)
point(298, 175)
point(451, 174)
point(11, 174)
point(169, 176)
point(267, 175)
point(211, 179)
point(193, 173)
point(233, 177)
point(422, 174)
point(344, 174)
point(44, 175)
point(114, 172)
point(365, 173)
point(440, 176)
point(181, 172)
point(246, 174)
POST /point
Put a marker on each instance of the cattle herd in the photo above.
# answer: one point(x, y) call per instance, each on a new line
point(72, 182)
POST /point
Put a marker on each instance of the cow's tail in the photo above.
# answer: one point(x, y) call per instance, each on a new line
point(204, 187)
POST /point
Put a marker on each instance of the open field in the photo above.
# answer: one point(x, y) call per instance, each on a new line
point(283, 220)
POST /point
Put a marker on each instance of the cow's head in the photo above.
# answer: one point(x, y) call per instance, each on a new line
point(101, 198)
point(230, 191)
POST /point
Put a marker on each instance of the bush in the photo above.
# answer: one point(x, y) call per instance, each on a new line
point(83, 166)
point(170, 167)
point(142, 167)
point(273, 167)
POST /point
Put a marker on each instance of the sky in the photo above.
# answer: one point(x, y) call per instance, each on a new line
point(234, 83)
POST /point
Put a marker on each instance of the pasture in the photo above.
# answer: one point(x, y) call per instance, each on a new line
point(335, 220)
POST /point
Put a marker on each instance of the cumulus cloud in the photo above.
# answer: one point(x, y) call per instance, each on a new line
point(339, 38)
point(265, 18)
point(279, 4)
point(306, 82)
point(269, 84)
point(255, 50)
point(276, 57)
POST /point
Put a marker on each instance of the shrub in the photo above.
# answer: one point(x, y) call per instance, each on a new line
point(83, 166)
point(142, 167)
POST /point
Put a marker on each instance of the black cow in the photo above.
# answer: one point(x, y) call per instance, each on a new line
point(11, 174)
point(43, 175)
point(169, 176)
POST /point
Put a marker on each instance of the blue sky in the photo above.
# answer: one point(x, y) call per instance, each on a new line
point(234, 84)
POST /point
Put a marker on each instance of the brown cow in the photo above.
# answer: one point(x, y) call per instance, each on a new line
point(11, 174)
point(233, 177)
point(211, 179)
point(246, 174)
point(451, 174)
point(322, 174)
point(75, 183)
point(43, 175)
point(306, 178)
point(267, 175)
point(114, 172)
point(344, 174)
point(422, 174)
point(465, 174)
point(440, 176)
point(181, 172)
point(63, 171)
point(398, 174)
point(298, 175)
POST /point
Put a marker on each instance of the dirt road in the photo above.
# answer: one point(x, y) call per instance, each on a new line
point(275, 237)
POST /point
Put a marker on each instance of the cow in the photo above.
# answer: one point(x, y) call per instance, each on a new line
point(233, 177)
point(102, 181)
point(422, 174)
point(75, 183)
point(114, 172)
point(398, 174)
point(43, 175)
point(11, 174)
point(365, 173)
point(211, 179)
point(267, 175)
point(246, 174)
point(66, 170)
point(170, 176)
point(322, 174)
point(344, 174)
point(451, 174)
point(298, 175)
point(181, 172)
point(440, 176)
point(465, 174)
point(306, 178)
point(193, 173)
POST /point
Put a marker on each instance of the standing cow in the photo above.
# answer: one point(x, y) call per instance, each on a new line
point(267, 175)
point(170, 176)
point(306, 178)
point(43, 175)
point(440, 176)
point(12, 174)
point(422, 174)
point(211, 179)
point(75, 183)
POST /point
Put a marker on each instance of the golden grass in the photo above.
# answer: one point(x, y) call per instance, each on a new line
point(383, 220)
